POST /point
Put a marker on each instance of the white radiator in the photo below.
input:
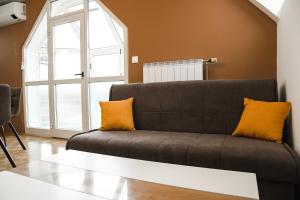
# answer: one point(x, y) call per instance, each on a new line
point(173, 71)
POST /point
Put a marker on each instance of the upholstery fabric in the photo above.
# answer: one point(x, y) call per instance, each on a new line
point(15, 101)
point(193, 106)
point(273, 190)
point(5, 104)
point(270, 161)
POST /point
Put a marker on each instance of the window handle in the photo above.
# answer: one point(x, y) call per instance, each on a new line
point(81, 74)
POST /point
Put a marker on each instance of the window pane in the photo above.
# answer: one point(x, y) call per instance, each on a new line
point(36, 54)
point(98, 92)
point(107, 65)
point(68, 107)
point(119, 29)
point(60, 7)
point(100, 27)
point(38, 107)
point(67, 60)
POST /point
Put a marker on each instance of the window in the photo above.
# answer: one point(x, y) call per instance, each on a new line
point(68, 109)
point(106, 58)
point(60, 7)
point(63, 85)
point(38, 107)
point(105, 51)
point(37, 54)
point(67, 59)
point(100, 24)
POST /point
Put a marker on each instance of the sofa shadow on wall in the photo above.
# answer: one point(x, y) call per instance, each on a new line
point(288, 128)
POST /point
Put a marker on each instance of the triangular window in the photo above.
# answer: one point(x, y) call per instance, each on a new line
point(101, 30)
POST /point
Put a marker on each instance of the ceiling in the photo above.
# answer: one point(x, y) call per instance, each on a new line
point(269, 7)
point(2, 2)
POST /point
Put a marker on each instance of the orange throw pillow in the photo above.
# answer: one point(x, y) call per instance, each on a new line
point(117, 115)
point(263, 120)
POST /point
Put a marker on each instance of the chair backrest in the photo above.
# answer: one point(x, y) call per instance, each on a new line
point(5, 104)
point(193, 106)
point(15, 101)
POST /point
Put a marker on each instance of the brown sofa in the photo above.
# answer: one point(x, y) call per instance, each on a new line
point(190, 123)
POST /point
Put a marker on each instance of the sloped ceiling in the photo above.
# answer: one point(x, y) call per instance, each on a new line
point(269, 7)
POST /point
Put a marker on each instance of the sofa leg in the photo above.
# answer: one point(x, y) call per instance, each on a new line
point(17, 135)
point(7, 154)
point(3, 135)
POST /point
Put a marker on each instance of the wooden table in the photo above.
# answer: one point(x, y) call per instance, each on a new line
point(111, 177)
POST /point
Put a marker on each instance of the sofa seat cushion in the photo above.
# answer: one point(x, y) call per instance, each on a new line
point(270, 161)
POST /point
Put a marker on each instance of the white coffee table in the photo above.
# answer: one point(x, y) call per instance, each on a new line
point(16, 187)
point(80, 175)
point(239, 184)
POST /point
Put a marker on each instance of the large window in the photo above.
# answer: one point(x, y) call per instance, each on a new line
point(37, 98)
point(37, 54)
point(105, 50)
point(60, 7)
point(106, 57)
point(65, 75)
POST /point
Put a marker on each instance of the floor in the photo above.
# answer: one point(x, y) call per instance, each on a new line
point(37, 148)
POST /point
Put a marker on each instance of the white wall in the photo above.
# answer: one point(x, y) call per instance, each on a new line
point(288, 60)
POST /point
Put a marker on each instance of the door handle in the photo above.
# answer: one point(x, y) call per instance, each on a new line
point(81, 74)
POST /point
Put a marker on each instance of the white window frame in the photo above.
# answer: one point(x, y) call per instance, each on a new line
point(56, 21)
point(53, 132)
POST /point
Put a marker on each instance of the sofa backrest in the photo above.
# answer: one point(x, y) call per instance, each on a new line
point(193, 106)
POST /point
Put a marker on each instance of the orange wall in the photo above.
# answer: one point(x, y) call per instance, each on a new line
point(12, 39)
point(240, 35)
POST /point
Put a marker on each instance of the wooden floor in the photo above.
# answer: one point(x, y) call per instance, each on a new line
point(37, 148)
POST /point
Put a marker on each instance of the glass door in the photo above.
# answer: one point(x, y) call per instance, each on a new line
point(67, 84)
point(76, 50)
point(106, 58)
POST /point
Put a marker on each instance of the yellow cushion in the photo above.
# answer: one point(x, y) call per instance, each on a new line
point(263, 120)
point(117, 115)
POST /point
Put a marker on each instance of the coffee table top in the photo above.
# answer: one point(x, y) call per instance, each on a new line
point(122, 178)
point(14, 186)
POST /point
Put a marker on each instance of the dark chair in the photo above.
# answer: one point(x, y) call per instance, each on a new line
point(5, 116)
point(15, 111)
